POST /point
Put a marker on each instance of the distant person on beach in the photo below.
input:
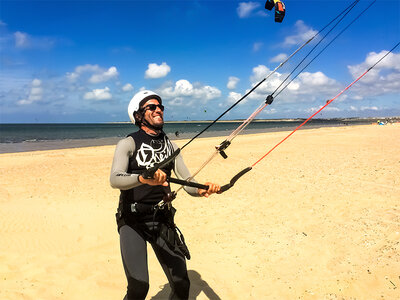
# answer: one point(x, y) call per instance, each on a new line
point(139, 218)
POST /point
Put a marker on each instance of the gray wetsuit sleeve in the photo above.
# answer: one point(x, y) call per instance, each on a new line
point(119, 178)
point(182, 172)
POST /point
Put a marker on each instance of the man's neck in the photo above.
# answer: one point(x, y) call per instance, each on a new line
point(149, 131)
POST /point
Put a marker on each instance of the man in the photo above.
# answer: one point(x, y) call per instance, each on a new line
point(140, 219)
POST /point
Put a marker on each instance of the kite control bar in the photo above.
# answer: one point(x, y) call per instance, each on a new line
point(188, 183)
point(224, 188)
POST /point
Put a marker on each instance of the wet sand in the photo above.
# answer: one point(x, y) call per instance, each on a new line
point(319, 218)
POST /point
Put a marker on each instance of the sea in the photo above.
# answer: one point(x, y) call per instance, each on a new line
point(31, 137)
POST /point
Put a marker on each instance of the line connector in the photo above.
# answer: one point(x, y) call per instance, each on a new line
point(269, 99)
point(225, 144)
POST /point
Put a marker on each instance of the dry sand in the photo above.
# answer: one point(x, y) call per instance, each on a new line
point(319, 218)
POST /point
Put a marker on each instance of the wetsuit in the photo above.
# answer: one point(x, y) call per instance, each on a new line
point(132, 156)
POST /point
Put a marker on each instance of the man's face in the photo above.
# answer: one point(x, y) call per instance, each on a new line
point(153, 113)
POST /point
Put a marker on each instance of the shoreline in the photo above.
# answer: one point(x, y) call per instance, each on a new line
point(28, 146)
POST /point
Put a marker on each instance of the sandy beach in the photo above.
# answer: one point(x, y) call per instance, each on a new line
point(319, 218)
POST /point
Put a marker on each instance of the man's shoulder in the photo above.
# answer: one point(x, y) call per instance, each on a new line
point(134, 134)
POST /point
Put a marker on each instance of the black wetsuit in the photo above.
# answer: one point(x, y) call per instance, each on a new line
point(132, 156)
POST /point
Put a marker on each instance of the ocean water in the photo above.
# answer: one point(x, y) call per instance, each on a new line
point(26, 137)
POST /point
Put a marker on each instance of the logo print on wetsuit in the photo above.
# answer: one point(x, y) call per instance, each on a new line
point(148, 155)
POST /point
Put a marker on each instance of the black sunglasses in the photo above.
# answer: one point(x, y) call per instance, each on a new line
point(153, 107)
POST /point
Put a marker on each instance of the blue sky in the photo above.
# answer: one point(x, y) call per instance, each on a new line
point(82, 61)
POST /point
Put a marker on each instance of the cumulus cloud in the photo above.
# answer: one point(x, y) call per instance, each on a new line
point(245, 9)
point(260, 72)
point(306, 87)
point(249, 9)
point(233, 97)
point(302, 34)
point(98, 94)
point(157, 71)
point(96, 73)
point(184, 89)
point(232, 82)
point(279, 58)
point(35, 94)
point(127, 87)
point(104, 76)
point(384, 78)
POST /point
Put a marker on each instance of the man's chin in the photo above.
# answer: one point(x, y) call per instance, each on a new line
point(158, 125)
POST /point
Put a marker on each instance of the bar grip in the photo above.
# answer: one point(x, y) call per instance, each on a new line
point(188, 183)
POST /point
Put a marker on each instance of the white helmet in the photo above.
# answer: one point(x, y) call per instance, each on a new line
point(139, 99)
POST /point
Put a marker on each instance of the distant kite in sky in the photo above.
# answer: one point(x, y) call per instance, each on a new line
point(279, 9)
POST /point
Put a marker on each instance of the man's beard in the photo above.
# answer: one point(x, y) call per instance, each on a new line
point(155, 126)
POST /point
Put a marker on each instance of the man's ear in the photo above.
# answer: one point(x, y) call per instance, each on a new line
point(138, 118)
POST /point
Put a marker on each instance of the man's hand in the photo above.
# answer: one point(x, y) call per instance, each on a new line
point(212, 188)
point(159, 178)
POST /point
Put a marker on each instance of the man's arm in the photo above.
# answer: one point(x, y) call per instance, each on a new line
point(119, 178)
point(182, 172)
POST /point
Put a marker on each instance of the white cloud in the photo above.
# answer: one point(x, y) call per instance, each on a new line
point(21, 40)
point(245, 9)
point(87, 68)
point(259, 73)
point(306, 87)
point(315, 79)
point(362, 108)
point(392, 61)
point(257, 46)
point(233, 97)
point(384, 78)
point(127, 87)
point(79, 70)
point(36, 82)
point(26, 41)
point(279, 58)
point(104, 76)
point(35, 94)
point(327, 108)
point(98, 94)
point(96, 73)
point(157, 71)
point(302, 34)
point(184, 89)
point(232, 82)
